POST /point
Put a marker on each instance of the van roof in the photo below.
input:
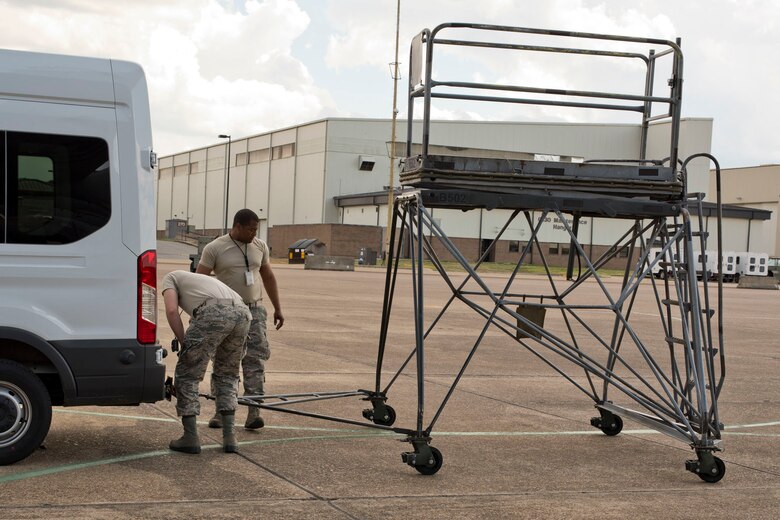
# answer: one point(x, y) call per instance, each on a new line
point(60, 78)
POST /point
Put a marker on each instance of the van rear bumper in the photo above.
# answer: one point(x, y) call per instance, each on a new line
point(154, 375)
point(113, 372)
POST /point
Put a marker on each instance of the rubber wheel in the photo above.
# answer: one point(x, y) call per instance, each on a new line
point(390, 417)
point(613, 429)
point(25, 412)
point(438, 461)
point(709, 477)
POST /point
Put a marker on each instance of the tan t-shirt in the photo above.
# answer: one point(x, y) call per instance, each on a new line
point(194, 289)
point(225, 257)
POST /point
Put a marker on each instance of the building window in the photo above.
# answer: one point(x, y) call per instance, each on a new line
point(514, 246)
point(241, 159)
point(283, 151)
point(256, 156)
point(623, 253)
point(564, 249)
point(554, 249)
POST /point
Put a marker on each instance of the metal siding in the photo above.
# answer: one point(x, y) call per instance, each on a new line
point(282, 186)
point(310, 170)
point(257, 188)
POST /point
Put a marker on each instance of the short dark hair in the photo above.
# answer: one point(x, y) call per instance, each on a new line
point(245, 216)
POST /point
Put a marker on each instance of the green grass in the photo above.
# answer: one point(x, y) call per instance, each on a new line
point(486, 267)
point(502, 267)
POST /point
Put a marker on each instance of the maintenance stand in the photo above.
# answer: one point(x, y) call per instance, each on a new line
point(670, 380)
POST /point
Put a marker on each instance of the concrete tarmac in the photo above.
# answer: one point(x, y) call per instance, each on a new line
point(515, 435)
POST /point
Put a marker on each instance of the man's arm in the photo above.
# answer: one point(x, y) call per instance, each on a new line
point(207, 256)
point(171, 299)
point(269, 282)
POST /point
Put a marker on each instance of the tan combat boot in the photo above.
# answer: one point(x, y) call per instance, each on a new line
point(216, 421)
point(229, 442)
point(189, 442)
point(253, 419)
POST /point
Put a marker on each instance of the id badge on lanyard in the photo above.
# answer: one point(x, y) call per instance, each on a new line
point(249, 277)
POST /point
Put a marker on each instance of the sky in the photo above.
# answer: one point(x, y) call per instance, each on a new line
point(243, 67)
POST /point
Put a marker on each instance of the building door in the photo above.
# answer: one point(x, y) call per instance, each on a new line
point(483, 246)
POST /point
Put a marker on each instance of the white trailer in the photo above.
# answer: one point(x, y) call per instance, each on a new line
point(752, 264)
point(706, 264)
point(729, 266)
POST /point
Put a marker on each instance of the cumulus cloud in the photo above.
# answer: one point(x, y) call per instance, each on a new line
point(728, 46)
point(211, 69)
point(217, 68)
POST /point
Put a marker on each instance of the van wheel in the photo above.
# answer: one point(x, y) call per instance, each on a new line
point(25, 412)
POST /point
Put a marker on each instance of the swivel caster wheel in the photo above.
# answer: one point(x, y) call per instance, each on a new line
point(431, 469)
point(614, 427)
point(425, 459)
point(717, 472)
point(383, 415)
point(608, 423)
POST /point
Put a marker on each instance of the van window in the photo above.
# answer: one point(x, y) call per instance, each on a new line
point(57, 188)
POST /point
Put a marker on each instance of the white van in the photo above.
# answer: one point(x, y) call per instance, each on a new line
point(78, 261)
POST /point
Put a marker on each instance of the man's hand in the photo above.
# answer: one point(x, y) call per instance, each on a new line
point(278, 319)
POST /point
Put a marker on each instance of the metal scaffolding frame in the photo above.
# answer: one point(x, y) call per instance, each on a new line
point(669, 380)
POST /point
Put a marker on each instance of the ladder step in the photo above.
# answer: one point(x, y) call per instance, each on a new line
point(687, 307)
point(704, 234)
point(678, 341)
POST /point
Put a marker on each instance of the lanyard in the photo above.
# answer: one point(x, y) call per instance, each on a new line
point(246, 257)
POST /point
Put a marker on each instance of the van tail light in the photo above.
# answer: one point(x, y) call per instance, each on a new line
point(147, 297)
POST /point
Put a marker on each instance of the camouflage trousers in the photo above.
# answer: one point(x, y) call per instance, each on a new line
point(217, 332)
point(257, 353)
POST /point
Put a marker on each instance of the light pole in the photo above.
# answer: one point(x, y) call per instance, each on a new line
point(227, 180)
point(390, 187)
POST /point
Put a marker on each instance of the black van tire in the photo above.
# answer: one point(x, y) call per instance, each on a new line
point(25, 412)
